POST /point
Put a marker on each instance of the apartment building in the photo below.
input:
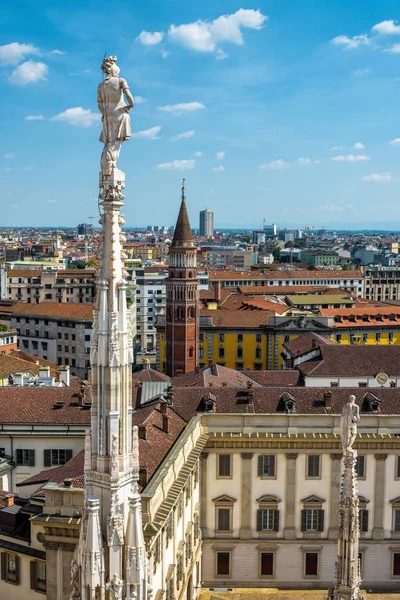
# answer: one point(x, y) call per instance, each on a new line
point(57, 332)
point(382, 283)
point(51, 285)
point(150, 303)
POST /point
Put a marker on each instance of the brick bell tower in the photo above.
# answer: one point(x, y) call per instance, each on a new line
point(182, 314)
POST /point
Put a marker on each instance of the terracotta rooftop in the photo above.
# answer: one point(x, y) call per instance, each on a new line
point(183, 234)
point(306, 343)
point(236, 319)
point(275, 378)
point(24, 273)
point(12, 363)
point(303, 275)
point(20, 404)
point(352, 360)
point(59, 310)
point(73, 470)
point(149, 375)
point(213, 376)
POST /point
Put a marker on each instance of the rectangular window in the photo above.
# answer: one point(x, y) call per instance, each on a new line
point(396, 564)
point(378, 337)
point(311, 563)
point(201, 337)
point(10, 568)
point(267, 563)
point(201, 352)
point(267, 519)
point(360, 466)
point(258, 338)
point(365, 337)
point(240, 338)
point(38, 576)
point(390, 336)
point(240, 352)
point(55, 458)
point(312, 519)
point(224, 465)
point(397, 467)
point(396, 519)
point(339, 338)
point(221, 337)
point(223, 519)
point(221, 352)
point(258, 353)
point(313, 465)
point(224, 563)
point(266, 465)
point(363, 519)
point(26, 458)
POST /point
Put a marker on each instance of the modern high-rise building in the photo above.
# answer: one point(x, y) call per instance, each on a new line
point(270, 230)
point(206, 223)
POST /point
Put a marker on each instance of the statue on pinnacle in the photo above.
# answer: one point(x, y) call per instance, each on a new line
point(114, 101)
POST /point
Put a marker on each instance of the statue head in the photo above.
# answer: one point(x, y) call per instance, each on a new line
point(352, 399)
point(109, 66)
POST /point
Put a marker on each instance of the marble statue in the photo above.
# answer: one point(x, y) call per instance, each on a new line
point(115, 587)
point(348, 424)
point(112, 94)
point(74, 583)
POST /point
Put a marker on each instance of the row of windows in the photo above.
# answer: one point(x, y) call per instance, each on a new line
point(311, 564)
point(51, 458)
point(239, 352)
point(267, 519)
point(11, 571)
point(239, 337)
point(266, 466)
point(364, 337)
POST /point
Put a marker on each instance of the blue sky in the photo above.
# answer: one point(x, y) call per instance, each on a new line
point(286, 110)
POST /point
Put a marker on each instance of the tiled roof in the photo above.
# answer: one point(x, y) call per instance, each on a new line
point(24, 273)
point(235, 319)
point(306, 343)
point(20, 404)
point(60, 310)
point(158, 443)
point(145, 375)
point(73, 469)
point(183, 234)
point(213, 376)
point(11, 364)
point(275, 378)
point(381, 316)
point(351, 360)
point(188, 401)
point(317, 274)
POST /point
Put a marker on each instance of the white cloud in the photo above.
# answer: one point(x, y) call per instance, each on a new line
point(178, 109)
point(148, 134)
point(179, 165)
point(9, 155)
point(334, 148)
point(77, 116)
point(378, 177)
point(221, 55)
point(51, 201)
point(350, 43)
point(34, 118)
point(361, 72)
point(198, 153)
point(164, 54)
point(350, 158)
point(395, 142)
point(12, 54)
point(304, 162)
point(275, 165)
point(139, 99)
point(29, 72)
point(387, 27)
point(395, 49)
point(205, 36)
point(148, 38)
point(219, 169)
point(184, 135)
point(359, 146)
point(58, 52)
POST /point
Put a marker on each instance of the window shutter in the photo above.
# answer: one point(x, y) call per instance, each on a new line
point(31, 458)
point(303, 520)
point(320, 520)
point(47, 458)
point(33, 575)
point(272, 465)
point(276, 520)
point(19, 457)
point(364, 520)
point(18, 569)
point(259, 519)
point(68, 455)
point(260, 465)
point(4, 563)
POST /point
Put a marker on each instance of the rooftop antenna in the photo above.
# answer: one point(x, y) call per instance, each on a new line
point(183, 195)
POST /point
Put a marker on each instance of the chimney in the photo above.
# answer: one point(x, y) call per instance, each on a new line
point(143, 477)
point(163, 407)
point(67, 482)
point(8, 500)
point(18, 379)
point(142, 432)
point(165, 423)
point(64, 375)
point(44, 372)
point(313, 343)
point(146, 364)
point(217, 289)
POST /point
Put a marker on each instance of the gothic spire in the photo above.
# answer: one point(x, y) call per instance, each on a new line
point(183, 234)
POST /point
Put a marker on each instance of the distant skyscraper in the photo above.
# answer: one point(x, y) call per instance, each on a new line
point(270, 230)
point(206, 223)
point(85, 229)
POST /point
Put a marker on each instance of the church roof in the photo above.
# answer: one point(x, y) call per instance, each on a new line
point(183, 234)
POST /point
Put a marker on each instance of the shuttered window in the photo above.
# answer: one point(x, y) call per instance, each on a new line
point(224, 519)
point(312, 519)
point(268, 519)
point(10, 567)
point(56, 458)
point(266, 465)
point(38, 576)
point(396, 519)
point(26, 458)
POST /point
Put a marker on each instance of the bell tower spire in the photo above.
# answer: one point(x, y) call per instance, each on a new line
point(182, 310)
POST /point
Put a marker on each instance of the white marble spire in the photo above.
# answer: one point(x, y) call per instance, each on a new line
point(112, 557)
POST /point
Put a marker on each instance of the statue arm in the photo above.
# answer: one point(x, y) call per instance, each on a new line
point(127, 94)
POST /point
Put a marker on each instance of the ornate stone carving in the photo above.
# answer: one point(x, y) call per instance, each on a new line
point(74, 583)
point(348, 424)
point(115, 587)
point(115, 523)
point(114, 455)
point(114, 341)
